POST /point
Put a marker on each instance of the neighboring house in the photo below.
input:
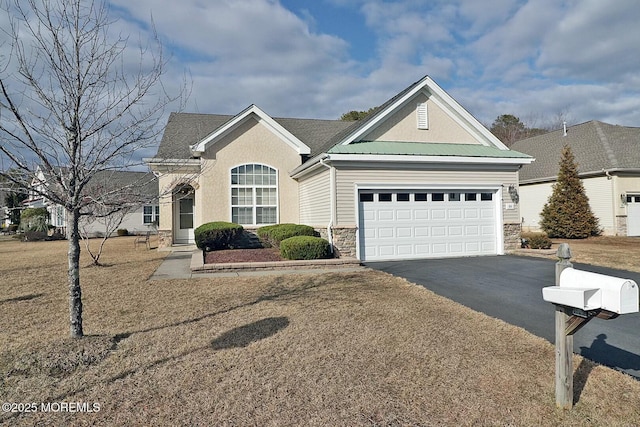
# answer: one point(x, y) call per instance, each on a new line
point(140, 194)
point(608, 159)
point(419, 177)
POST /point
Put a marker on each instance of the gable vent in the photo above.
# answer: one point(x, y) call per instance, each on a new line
point(423, 117)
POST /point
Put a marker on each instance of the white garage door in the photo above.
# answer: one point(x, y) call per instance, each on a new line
point(426, 224)
point(633, 215)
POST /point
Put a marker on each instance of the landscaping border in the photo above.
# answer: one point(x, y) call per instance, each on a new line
point(198, 266)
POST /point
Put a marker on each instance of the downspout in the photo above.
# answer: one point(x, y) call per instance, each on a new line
point(332, 192)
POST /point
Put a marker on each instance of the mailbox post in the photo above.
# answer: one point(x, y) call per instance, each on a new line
point(580, 296)
point(564, 341)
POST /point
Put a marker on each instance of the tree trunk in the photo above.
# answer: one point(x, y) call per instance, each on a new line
point(75, 293)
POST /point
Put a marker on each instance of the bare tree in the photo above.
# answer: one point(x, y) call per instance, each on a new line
point(71, 104)
point(107, 223)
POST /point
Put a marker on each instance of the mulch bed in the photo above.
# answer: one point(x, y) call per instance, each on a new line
point(243, 255)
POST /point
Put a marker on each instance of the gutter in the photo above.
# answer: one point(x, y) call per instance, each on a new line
point(590, 174)
point(332, 192)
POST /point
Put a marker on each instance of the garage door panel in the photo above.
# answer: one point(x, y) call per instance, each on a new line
point(403, 215)
point(472, 230)
point(455, 231)
point(487, 213)
point(421, 214)
point(387, 250)
point(386, 215)
point(455, 213)
point(438, 231)
point(401, 227)
point(421, 231)
point(437, 214)
point(385, 233)
point(404, 232)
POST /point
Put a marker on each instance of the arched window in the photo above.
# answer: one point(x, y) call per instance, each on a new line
point(254, 195)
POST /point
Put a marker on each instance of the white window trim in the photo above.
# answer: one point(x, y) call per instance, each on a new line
point(155, 214)
point(254, 205)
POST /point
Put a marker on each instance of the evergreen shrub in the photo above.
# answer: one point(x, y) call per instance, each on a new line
point(305, 247)
point(217, 235)
point(537, 240)
point(274, 234)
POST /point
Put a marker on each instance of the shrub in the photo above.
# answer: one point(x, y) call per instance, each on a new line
point(305, 247)
point(122, 232)
point(537, 240)
point(274, 234)
point(34, 219)
point(217, 235)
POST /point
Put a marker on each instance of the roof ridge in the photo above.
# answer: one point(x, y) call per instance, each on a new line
point(604, 139)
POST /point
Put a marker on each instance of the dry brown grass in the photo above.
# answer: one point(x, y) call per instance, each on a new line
point(331, 349)
point(607, 251)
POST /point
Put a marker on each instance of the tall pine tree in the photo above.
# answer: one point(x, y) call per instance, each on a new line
point(567, 213)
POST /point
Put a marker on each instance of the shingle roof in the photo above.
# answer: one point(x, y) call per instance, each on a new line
point(425, 149)
point(185, 129)
point(596, 146)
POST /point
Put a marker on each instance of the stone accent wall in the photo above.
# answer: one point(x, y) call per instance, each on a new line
point(621, 225)
point(511, 237)
point(344, 240)
point(165, 239)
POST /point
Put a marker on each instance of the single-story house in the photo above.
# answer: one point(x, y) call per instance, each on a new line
point(608, 159)
point(419, 177)
point(136, 191)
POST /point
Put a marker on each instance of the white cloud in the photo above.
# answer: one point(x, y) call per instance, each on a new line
point(593, 40)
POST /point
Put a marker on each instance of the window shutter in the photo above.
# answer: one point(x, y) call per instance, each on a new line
point(423, 117)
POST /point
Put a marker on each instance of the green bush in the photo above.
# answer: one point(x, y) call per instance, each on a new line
point(537, 240)
point(305, 247)
point(122, 232)
point(217, 235)
point(274, 234)
point(34, 219)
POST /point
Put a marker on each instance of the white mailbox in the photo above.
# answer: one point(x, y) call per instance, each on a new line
point(591, 291)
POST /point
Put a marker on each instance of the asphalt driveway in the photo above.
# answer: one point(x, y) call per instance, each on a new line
point(510, 288)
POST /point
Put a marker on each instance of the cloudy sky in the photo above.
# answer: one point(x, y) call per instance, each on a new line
point(537, 59)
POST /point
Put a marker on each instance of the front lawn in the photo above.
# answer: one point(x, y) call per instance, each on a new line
point(351, 349)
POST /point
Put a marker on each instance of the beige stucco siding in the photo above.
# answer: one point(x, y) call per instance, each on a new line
point(402, 126)
point(251, 142)
point(348, 178)
point(315, 198)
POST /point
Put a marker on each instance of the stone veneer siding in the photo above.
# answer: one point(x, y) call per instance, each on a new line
point(344, 240)
point(511, 237)
point(165, 239)
point(621, 225)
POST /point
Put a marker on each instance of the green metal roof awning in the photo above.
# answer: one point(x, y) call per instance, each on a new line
point(426, 149)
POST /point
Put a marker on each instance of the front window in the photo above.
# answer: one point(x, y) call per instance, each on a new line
point(254, 195)
point(151, 214)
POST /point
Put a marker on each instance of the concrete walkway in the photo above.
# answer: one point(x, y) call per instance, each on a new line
point(187, 264)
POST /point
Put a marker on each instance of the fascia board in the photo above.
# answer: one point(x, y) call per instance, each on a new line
point(264, 118)
point(447, 100)
point(377, 158)
point(308, 166)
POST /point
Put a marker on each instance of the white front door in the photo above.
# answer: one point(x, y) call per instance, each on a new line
point(405, 224)
point(183, 219)
point(633, 215)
